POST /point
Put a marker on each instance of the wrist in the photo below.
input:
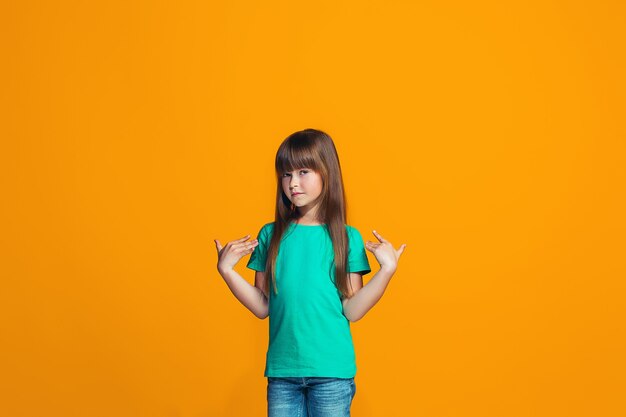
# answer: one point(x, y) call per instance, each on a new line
point(224, 270)
point(388, 269)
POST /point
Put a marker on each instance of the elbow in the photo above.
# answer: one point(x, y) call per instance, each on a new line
point(351, 317)
point(350, 313)
point(261, 314)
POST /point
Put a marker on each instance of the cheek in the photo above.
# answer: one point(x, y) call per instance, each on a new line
point(316, 184)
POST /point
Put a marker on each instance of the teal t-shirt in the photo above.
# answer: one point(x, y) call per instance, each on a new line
point(308, 333)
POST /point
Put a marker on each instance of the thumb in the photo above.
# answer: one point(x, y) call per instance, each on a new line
point(401, 249)
point(218, 245)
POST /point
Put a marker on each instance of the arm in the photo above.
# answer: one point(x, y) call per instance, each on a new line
point(252, 297)
point(362, 298)
point(365, 297)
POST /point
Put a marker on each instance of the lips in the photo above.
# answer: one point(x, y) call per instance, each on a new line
point(295, 194)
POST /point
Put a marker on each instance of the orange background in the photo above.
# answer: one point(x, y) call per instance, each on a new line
point(488, 136)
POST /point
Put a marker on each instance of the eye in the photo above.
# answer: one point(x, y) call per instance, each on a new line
point(304, 171)
point(286, 174)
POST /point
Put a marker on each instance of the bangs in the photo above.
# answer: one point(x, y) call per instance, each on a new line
point(295, 155)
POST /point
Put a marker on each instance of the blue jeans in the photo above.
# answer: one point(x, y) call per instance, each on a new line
point(309, 397)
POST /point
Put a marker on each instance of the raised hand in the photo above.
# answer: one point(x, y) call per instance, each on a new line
point(384, 252)
point(229, 255)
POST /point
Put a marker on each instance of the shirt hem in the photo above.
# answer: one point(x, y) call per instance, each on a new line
point(256, 268)
point(309, 373)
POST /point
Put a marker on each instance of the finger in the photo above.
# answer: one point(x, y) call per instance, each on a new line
point(246, 245)
point(246, 237)
point(218, 245)
point(378, 236)
point(252, 244)
point(371, 245)
point(401, 249)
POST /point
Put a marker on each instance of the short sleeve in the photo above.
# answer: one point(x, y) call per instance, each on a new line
point(258, 257)
point(357, 258)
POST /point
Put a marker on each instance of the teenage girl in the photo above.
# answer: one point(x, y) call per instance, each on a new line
point(309, 265)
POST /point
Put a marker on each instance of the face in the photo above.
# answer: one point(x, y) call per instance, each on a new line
point(305, 183)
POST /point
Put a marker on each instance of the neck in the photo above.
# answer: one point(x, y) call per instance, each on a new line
point(308, 215)
point(307, 223)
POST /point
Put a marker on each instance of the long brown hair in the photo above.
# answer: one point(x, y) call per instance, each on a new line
point(314, 149)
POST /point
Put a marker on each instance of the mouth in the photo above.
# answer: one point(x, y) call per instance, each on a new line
point(296, 194)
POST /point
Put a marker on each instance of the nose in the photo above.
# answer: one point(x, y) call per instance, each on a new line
point(293, 182)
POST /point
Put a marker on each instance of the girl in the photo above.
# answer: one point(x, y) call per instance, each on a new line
point(309, 265)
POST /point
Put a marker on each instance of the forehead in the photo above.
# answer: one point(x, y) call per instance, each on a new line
point(296, 162)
